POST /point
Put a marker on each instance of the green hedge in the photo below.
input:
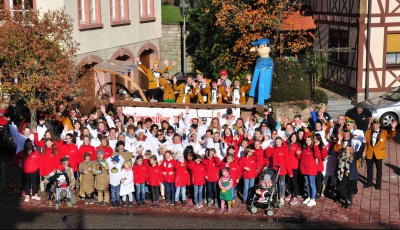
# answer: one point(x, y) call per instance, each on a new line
point(290, 82)
point(320, 97)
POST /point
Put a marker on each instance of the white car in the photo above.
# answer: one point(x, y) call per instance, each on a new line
point(386, 107)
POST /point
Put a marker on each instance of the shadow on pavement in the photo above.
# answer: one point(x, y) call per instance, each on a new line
point(395, 168)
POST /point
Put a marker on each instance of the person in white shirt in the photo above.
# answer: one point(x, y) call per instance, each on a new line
point(19, 138)
point(115, 172)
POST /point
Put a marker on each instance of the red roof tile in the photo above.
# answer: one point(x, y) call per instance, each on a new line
point(296, 21)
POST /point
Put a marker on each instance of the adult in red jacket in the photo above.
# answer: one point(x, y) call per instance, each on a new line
point(320, 148)
point(86, 148)
point(70, 150)
point(139, 177)
point(154, 178)
point(198, 171)
point(47, 135)
point(28, 160)
point(308, 167)
point(235, 173)
point(280, 159)
point(182, 179)
point(105, 146)
point(293, 185)
point(248, 164)
point(212, 163)
point(168, 168)
point(50, 158)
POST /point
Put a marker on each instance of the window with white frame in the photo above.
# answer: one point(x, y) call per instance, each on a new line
point(119, 12)
point(17, 6)
point(93, 11)
point(89, 14)
point(393, 49)
point(146, 10)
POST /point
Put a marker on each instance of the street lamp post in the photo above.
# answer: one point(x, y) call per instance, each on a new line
point(184, 11)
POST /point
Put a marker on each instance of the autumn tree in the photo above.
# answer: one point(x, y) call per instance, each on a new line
point(249, 20)
point(37, 60)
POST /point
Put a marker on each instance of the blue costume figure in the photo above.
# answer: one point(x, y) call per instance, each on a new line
point(262, 78)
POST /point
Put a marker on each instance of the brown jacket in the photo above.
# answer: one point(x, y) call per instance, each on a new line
point(101, 179)
point(380, 145)
point(168, 91)
point(221, 94)
point(87, 180)
point(181, 89)
point(243, 91)
point(152, 79)
point(200, 99)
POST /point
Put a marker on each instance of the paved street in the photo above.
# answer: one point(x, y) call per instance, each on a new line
point(372, 208)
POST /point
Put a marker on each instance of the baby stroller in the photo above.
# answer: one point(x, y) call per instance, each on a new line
point(266, 192)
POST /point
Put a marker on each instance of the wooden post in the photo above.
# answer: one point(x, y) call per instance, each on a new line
point(114, 85)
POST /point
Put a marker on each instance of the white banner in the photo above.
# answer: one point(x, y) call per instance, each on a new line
point(168, 113)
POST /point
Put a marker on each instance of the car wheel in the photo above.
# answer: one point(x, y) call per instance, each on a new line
point(387, 119)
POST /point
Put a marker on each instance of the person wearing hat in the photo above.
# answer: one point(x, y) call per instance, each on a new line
point(350, 124)
point(375, 150)
point(154, 74)
point(361, 116)
point(237, 93)
point(115, 171)
point(65, 161)
point(202, 83)
point(62, 183)
point(186, 90)
point(166, 84)
point(87, 178)
point(215, 93)
point(223, 80)
point(228, 119)
point(122, 153)
point(101, 179)
point(262, 77)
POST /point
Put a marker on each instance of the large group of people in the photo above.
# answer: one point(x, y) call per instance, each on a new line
point(117, 160)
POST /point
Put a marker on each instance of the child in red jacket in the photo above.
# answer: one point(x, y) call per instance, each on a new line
point(235, 173)
point(168, 172)
point(280, 156)
point(182, 179)
point(248, 164)
point(154, 179)
point(28, 159)
point(198, 171)
point(139, 177)
point(212, 163)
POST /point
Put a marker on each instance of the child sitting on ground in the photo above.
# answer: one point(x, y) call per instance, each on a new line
point(266, 184)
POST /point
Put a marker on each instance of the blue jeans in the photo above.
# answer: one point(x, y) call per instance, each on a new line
point(181, 190)
point(129, 196)
point(169, 191)
point(140, 191)
point(115, 193)
point(234, 188)
point(310, 183)
point(248, 188)
point(212, 190)
point(198, 194)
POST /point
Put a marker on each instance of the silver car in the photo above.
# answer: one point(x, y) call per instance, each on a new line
point(386, 107)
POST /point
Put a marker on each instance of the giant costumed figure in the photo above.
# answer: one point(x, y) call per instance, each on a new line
point(262, 78)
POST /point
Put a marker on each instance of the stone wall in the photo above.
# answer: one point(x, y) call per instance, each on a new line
point(172, 46)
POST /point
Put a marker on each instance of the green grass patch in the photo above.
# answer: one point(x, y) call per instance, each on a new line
point(170, 14)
